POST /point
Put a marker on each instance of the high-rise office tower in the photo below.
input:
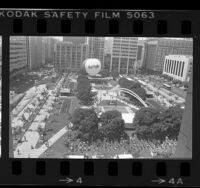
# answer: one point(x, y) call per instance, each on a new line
point(36, 52)
point(108, 45)
point(96, 48)
point(141, 53)
point(75, 40)
point(158, 48)
point(18, 55)
point(48, 52)
point(124, 54)
point(69, 56)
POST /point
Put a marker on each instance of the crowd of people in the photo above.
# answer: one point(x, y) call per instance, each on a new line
point(113, 149)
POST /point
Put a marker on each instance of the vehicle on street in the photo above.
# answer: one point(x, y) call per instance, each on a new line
point(65, 92)
point(166, 86)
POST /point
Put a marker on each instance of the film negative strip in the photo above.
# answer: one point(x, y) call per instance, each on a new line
point(100, 97)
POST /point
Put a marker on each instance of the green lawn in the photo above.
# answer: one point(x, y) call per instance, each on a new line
point(57, 150)
point(74, 104)
point(65, 106)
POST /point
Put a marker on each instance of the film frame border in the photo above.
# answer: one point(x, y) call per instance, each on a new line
point(165, 24)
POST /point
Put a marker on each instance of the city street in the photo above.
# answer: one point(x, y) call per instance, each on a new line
point(166, 95)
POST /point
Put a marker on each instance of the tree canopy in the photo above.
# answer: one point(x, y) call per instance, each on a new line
point(112, 125)
point(133, 86)
point(115, 74)
point(84, 93)
point(106, 117)
point(146, 116)
point(85, 121)
point(152, 124)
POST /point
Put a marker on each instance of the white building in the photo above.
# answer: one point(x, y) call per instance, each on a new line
point(178, 66)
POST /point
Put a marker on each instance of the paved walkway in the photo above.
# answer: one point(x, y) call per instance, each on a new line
point(32, 136)
point(35, 153)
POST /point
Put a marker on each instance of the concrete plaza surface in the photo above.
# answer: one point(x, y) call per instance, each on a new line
point(26, 148)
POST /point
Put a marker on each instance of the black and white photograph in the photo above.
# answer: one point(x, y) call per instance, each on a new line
point(0, 87)
point(99, 97)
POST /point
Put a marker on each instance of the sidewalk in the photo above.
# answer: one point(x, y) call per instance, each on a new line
point(37, 152)
point(32, 135)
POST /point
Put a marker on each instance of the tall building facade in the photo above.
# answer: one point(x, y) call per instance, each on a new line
point(108, 45)
point(36, 52)
point(178, 67)
point(0, 56)
point(158, 48)
point(75, 40)
point(48, 50)
point(141, 53)
point(96, 48)
point(69, 56)
point(124, 54)
point(18, 55)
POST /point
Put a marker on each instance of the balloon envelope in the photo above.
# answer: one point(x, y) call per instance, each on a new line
point(92, 66)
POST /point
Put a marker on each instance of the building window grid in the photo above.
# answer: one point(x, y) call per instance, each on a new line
point(180, 64)
point(167, 65)
point(164, 67)
point(177, 67)
point(171, 66)
point(182, 68)
point(174, 65)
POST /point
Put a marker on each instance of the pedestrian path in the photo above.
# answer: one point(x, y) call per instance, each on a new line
point(31, 136)
point(32, 139)
point(37, 152)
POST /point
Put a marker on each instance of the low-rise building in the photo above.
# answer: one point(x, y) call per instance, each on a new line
point(178, 67)
point(18, 55)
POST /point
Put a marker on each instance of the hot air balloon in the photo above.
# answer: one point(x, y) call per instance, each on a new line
point(92, 66)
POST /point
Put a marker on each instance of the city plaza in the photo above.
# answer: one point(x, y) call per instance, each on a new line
point(40, 120)
point(31, 136)
point(39, 103)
